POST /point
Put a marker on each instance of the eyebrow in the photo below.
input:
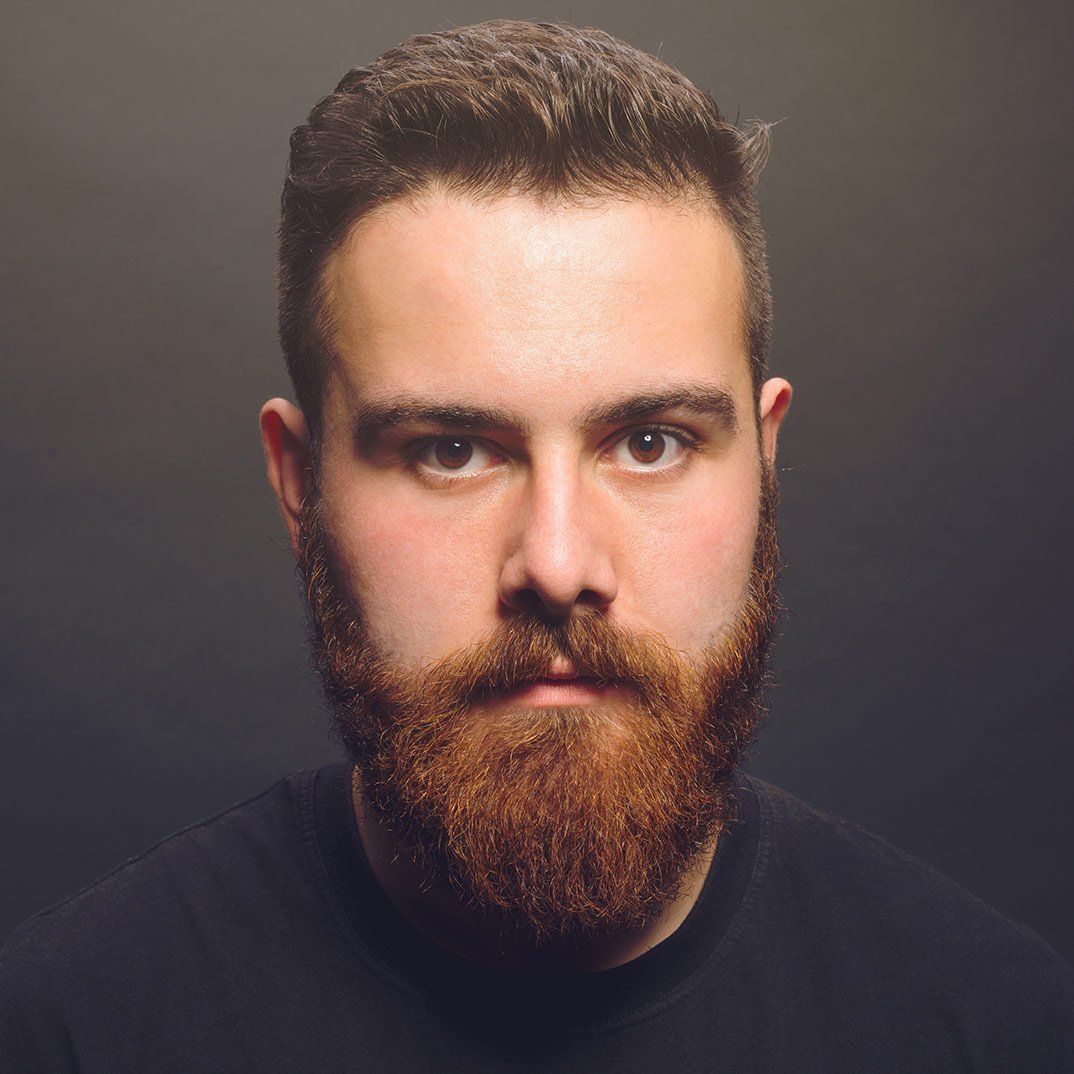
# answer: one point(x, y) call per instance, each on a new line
point(372, 420)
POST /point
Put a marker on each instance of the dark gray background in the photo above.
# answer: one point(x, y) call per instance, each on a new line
point(918, 206)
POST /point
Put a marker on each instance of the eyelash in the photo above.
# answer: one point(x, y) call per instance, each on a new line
point(691, 443)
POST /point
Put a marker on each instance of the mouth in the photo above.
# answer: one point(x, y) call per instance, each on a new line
point(561, 690)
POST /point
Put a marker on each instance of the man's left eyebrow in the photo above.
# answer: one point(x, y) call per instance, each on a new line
point(372, 420)
point(705, 400)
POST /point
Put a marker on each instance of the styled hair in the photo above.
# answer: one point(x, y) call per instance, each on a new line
point(506, 106)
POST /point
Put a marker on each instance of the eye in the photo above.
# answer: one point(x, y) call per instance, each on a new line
point(450, 452)
point(445, 459)
point(656, 444)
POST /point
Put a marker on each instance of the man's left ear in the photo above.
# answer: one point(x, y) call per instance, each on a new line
point(775, 399)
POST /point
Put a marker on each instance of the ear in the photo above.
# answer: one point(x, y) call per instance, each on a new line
point(774, 401)
point(285, 440)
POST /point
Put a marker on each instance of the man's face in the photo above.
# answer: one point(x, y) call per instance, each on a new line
point(450, 562)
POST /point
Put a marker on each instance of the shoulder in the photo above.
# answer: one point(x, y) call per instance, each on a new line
point(147, 900)
point(126, 966)
point(902, 922)
point(829, 861)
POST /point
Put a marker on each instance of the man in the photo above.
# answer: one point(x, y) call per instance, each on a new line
point(530, 487)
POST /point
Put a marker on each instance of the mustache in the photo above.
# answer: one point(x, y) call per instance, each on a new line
point(524, 649)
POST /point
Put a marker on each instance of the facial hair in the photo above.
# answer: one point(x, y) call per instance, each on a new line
point(564, 822)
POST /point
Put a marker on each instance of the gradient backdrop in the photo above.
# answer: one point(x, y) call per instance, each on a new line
point(918, 206)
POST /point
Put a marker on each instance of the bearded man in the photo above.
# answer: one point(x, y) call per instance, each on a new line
point(530, 486)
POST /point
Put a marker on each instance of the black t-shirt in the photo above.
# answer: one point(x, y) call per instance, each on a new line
point(259, 940)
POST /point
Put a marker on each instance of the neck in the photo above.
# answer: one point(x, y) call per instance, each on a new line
point(437, 911)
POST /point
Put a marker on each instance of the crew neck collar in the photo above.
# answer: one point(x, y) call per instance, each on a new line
point(573, 1001)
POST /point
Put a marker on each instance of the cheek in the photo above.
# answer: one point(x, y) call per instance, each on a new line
point(693, 579)
point(413, 577)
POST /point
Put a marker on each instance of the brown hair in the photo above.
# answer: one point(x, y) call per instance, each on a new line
point(540, 108)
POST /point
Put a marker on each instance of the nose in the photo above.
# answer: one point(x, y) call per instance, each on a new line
point(561, 550)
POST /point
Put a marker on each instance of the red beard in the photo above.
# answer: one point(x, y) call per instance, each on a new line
point(569, 822)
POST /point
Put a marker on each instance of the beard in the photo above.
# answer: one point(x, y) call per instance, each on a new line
point(559, 823)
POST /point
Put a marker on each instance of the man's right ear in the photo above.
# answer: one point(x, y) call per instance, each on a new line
point(285, 440)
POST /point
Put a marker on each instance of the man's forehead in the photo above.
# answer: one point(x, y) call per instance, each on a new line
point(532, 265)
point(518, 298)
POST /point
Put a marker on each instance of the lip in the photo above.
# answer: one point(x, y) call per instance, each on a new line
point(559, 690)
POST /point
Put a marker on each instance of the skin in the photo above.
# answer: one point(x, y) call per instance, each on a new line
point(545, 310)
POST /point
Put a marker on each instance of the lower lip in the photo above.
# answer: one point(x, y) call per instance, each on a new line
point(548, 692)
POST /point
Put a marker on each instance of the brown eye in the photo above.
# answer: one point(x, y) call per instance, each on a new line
point(453, 453)
point(646, 446)
point(447, 458)
point(654, 448)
